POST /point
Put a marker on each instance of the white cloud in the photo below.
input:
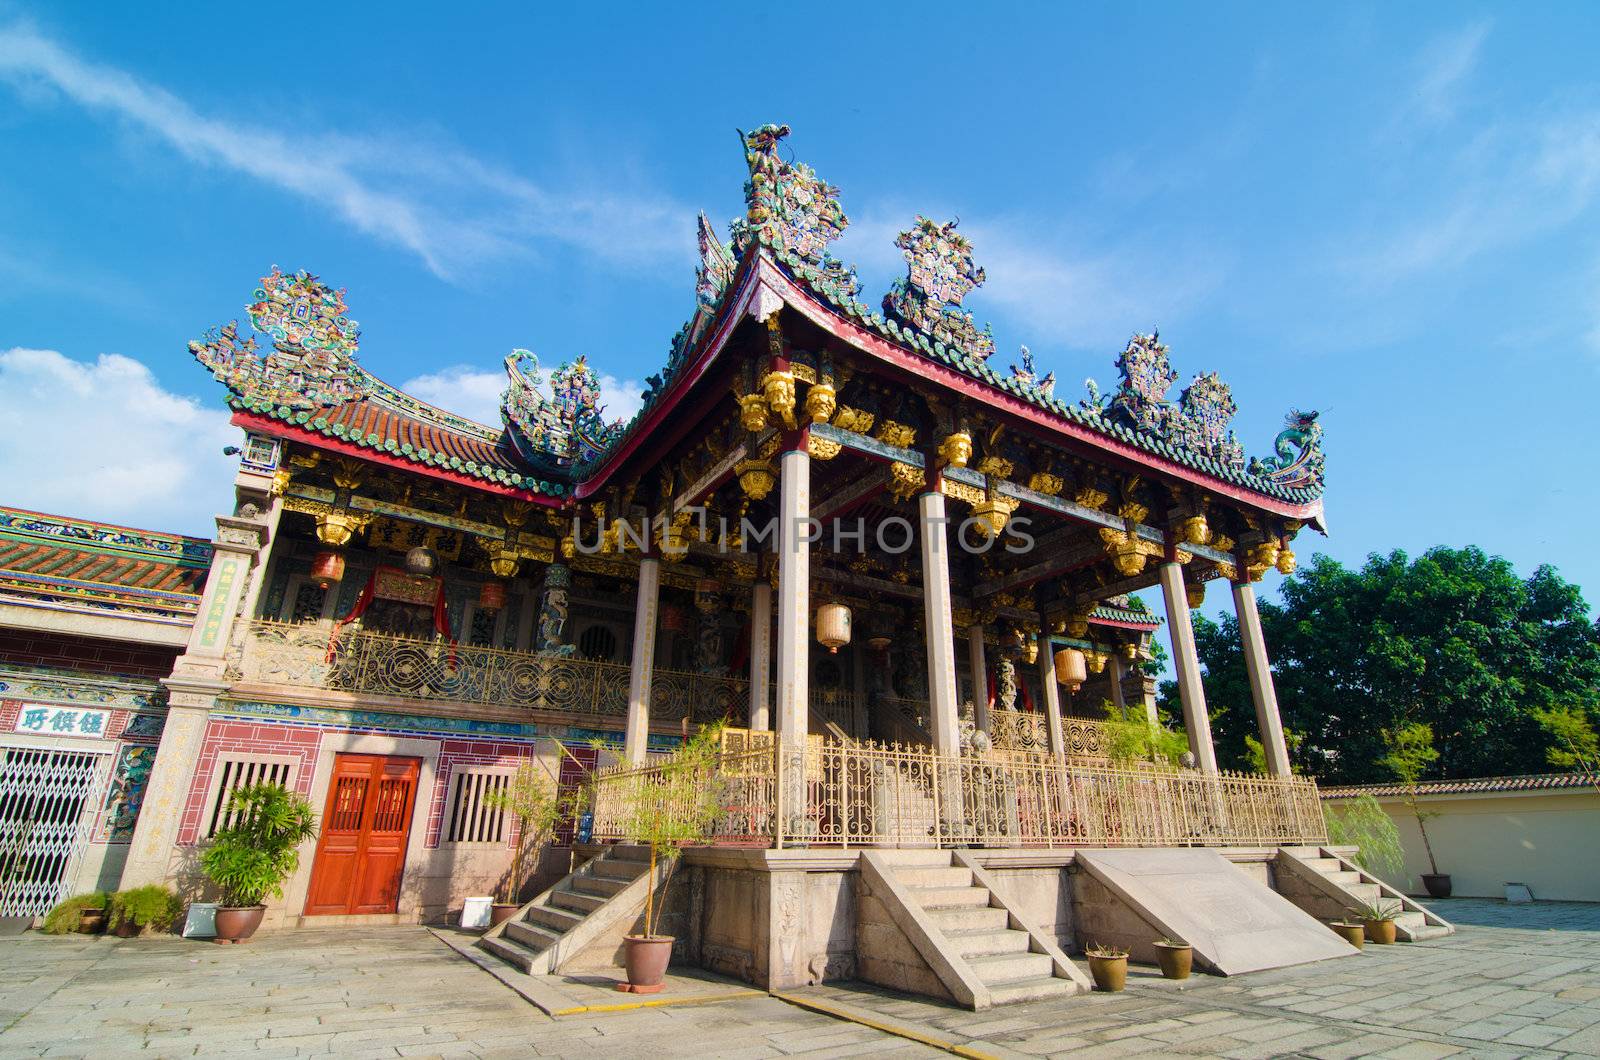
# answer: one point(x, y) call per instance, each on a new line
point(1446, 63)
point(475, 394)
point(463, 390)
point(104, 440)
point(390, 190)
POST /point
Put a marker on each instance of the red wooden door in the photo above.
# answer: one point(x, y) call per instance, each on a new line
point(365, 826)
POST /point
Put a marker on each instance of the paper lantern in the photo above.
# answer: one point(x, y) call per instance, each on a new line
point(327, 567)
point(1072, 669)
point(492, 597)
point(422, 560)
point(833, 626)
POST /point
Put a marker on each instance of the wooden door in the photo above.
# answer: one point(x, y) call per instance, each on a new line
point(362, 852)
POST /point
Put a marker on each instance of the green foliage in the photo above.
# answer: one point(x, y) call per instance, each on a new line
point(1362, 823)
point(1573, 743)
point(260, 848)
point(1411, 751)
point(1129, 737)
point(1097, 949)
point(1452, 639)
point(151, 906)
point(63, 919)
point(675, 806)
point(1377, 909)
point(531, 798)
point(1255, 755)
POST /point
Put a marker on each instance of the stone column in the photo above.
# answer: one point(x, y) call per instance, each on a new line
point(980, 679)
point(198, 677)
point(760, 653)
point(938, 624)
point(1052, 699)
point(644, 660)
point(794, 626)
point(1118, 699)
point(1187, 664)
point(1261, 689)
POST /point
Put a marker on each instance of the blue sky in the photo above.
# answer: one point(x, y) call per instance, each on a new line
point(1386, 212)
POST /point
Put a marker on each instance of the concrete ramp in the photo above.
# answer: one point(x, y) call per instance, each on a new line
point(1234, 922)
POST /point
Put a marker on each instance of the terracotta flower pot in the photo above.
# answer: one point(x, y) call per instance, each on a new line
point(1354, 934)
point(238, 923)
point(646, 959)
point(500, 912)
point(91, 921)
point(1176, 961)
point(1110, 973)
point(1379, 932)
point(1437, 884)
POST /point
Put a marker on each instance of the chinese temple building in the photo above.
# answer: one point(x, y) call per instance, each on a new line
point(895, 566)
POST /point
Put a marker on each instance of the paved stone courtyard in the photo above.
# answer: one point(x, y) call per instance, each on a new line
point(1517, 981)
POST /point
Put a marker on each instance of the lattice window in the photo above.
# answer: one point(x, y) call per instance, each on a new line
point(309, 600)
point(237, 771)
point(471, 820)
point(597, 642)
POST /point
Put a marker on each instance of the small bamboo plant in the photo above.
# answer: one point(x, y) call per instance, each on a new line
point(1101, 950)
point(1377, 910)
point(531, 798)
point(673, 807)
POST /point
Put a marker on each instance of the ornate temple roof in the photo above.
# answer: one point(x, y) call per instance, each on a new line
point(1466, 786)
point(84, 565)
point(555, 436)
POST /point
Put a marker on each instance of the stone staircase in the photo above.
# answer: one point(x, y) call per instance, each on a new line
point(990, 951)
point(1334, 880)
point(572, 914)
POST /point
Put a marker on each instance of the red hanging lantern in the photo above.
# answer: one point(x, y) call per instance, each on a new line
point(492, 597)
point(327, 567)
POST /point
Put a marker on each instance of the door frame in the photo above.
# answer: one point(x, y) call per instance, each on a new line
point(332, 744)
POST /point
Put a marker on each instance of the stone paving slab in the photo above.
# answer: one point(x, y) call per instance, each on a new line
point(1519, 981)
point(1516, 981)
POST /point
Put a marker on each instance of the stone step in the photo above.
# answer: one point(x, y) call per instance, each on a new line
point(600, 886)
point(534, 936)
point(618, 868)
point(1411, 919)
point(582, 904)
point(1344, 877)
point(970, 918)
point(943, 897)
point(628, 852)
point(986, 943)
point(513, 953)
point(1004, 967)
point(1038, 989)
point(1324, 865)
point(926, 858)
point(557, 920)
point(948, 876)
point(1365, 893)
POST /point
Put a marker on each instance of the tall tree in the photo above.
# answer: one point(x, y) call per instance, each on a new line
point(1453, 640)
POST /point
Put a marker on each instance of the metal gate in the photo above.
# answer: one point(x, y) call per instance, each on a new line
point(48, 804)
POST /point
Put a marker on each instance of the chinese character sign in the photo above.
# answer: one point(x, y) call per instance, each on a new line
point(63, 721)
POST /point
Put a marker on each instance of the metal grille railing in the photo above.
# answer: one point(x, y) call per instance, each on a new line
point(864, 794)
point(378, 663)
point(1018, 730)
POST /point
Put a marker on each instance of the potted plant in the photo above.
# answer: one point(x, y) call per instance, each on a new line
point(151, 907)
point(667, 807)
point(531, 798)
point(255, 853)
point(1411, 751)
point(1355, 933)
point(83, 913)
point(1176, 958)
point(1377, 920)
point(1109, 967)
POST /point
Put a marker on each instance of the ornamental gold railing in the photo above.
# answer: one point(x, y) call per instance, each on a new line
point(865, 795)
point(743, 784)
point(380, 664)
point(1018, 730)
